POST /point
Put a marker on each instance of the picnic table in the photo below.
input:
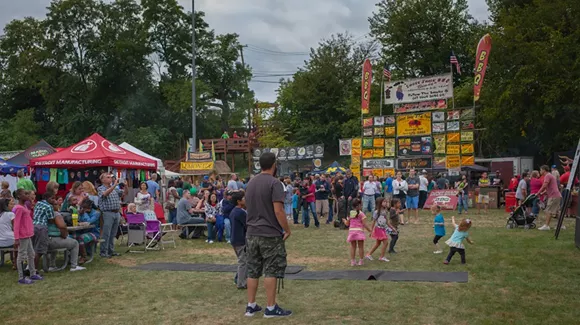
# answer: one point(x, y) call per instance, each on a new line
point(79, 228)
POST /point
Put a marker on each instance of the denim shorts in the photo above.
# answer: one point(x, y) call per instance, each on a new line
point(412, 202)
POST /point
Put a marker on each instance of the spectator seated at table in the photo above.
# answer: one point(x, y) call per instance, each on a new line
point(186, 211)
point(58, 238)
point(89, 237)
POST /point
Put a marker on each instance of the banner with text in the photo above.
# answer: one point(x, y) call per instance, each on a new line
point(446, 199)
point(420, 89)
point(414, 124)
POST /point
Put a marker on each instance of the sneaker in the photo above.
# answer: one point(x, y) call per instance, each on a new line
point(115, 254)
point(360, 263)
point(52, 269)
point(277, 312)
point(251, 311)
point(544, 227)
point(437, 252)
point(210, 241)
point(368, 257)
point(446, 262)
point(352, 263)
point(77, 268)
point(25, 281)
point(36, 277)
point(384, 259)
point(229, 242)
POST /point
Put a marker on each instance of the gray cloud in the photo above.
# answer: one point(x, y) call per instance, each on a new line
point(276, 25)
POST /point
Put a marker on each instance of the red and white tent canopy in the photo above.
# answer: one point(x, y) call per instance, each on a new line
point(94, 151)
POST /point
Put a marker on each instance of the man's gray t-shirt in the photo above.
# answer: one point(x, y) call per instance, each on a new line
point(413, 181)
point(183, 207)
point(232, 185)
point(261, 193)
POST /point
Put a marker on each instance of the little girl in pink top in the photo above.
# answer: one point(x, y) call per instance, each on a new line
point(23, 232)
point(356, 234)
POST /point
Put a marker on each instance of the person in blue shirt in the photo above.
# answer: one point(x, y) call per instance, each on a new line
point(388, 186)
point(295, 200)
point(153, 187)
point(438, 227)
point(238, 241)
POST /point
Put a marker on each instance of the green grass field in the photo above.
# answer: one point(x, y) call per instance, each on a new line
point(515, 277)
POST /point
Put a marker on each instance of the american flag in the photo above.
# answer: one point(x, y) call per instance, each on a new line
point(453, 60)
point(386, 72)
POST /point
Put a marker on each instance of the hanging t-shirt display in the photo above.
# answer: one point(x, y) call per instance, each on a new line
point(53, 172)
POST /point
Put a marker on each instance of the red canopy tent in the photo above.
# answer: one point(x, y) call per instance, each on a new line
point(94, 151)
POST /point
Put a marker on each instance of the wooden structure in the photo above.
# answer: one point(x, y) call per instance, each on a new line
point(223, 148)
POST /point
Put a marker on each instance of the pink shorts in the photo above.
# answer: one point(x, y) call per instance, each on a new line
point(355, 235)
point(379, 234)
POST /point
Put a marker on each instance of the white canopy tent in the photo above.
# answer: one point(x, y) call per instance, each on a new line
point(141, 153)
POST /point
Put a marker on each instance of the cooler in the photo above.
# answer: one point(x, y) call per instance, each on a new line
point(510, 201)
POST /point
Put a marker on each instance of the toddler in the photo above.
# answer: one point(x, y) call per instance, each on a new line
point(455, 243)
point(438, 227)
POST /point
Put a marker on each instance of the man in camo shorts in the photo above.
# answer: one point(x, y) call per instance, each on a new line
point(267, 229)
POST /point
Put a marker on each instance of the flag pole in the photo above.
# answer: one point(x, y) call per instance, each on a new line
point(453, 96)
point(382, 92)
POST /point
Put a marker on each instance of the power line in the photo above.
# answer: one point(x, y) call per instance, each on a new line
point(262, 50)
point(265, 81)
point(272, 75)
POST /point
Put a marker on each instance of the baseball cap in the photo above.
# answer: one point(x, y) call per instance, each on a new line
point(205, 177)
point(193, 191)
point(424, 171)
point(553, 166)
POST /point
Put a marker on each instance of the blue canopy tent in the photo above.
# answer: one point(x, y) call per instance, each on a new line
point(335, 168)
point(8, 168)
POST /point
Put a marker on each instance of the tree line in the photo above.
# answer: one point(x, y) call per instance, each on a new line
point(123, 68)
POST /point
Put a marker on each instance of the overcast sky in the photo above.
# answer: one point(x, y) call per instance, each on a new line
point(268, 27)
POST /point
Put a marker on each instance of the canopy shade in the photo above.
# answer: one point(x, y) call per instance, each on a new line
point(141, 153)
point(8, 168)
point(37, 150)
point(94, 151)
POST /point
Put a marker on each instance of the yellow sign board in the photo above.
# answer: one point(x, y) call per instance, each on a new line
point(467, 160)
point(453, 162)
point(467, 148)
point(356, 143)
point(453, 149)
point(389, 171)
point(414, 124)
point(196, 165)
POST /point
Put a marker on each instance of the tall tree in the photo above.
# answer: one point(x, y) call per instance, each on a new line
point(417, 36)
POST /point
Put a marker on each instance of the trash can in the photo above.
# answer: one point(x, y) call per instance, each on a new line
point(510, 201)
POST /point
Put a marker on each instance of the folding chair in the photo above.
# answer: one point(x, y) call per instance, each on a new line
point(153, 235)
point(168, 229)
point(136, 232)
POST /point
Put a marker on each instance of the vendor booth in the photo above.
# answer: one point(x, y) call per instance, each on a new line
point(86, 160)
point(37, 150)
point(8, 173)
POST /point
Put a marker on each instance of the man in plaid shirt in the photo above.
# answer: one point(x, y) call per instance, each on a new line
point(110, 205)
point(43, 211)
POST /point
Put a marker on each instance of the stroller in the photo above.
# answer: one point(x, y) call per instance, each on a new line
point(520, 217)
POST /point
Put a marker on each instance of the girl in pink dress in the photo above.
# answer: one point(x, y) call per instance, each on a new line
point(379, 227)
point(356, 235)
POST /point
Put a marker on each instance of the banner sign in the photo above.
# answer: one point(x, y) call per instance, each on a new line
point(439, 162)
point(292, 154)
point(283, 154)
point(390, 147)
point(345, 147)
point(446, 199)
point(390, 131)
point(379, 153)
point(467, 149)
point(439, 141)
point(467, 160)
point(482, 55)
point(453, 137)
point(420, 106)
point(197, 156)
point(378, 163)
point(418, 163)
point(309, 152)
point(193, 166)
point(356, 143)
point(415, 146)
point(453, 149)
point(453, 162)
point(367, 77)
point(439, 127)
point(420, 89)
point(414, 124)
point(378, 142)
point(466, 136)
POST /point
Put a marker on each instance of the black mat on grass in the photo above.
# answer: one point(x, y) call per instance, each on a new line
point(291, 269)
point(381, 276)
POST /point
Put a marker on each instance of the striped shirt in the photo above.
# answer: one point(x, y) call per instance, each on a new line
point(43, 212)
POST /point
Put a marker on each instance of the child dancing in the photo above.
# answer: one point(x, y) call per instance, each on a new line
point(379, 228)
point(356, 236)
point(438, 227)
point(456, 241)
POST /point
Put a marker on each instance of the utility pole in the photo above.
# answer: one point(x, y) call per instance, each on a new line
point(193, 143)
point(247, 86)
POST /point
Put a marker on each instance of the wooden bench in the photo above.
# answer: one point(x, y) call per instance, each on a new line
point(4, 251)
point(187, 230)
point(45, 262)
